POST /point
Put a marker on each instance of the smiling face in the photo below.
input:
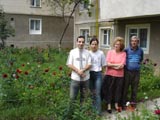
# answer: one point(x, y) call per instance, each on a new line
point(80, 43)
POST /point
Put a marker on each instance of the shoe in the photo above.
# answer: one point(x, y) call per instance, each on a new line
point(109, 111)
point(119, 109)
point(124, 108)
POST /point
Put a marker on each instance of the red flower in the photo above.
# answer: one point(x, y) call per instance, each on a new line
point(54, 73)
point(5, 75)
point(26, 72)
point(60, 68)
point(147, 60)
point(46, 70)
point(19, 71)
point(155, 64)
point(17, 77)
point(157, 112)
point(23, 65)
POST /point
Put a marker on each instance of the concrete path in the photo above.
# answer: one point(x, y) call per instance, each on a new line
point(150, 105)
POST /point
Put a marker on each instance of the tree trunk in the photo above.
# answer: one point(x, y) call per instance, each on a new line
point(66, 27)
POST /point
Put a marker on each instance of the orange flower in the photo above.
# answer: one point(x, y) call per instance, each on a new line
point(26, 72)
point(23, 65)
point(60, 68)
point(5, 75)
point(54, 73)
point(19, 71)
point(46, 70)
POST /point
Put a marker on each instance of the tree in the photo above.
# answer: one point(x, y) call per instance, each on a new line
point(66, 7)
point(5, 29)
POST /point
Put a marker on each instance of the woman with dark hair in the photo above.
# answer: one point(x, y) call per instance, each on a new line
point(95, 81)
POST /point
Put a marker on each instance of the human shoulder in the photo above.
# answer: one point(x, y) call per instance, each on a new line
point(86, 51)
point(126, 49)
point(73, 50)
point(141, 50)
point(100, 51)
point(110, 51)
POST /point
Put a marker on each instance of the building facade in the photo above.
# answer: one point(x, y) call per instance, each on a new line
point(122, 18)
point(35, 24)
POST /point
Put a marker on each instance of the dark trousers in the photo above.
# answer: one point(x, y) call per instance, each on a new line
point(112, 88)
point(131, 79)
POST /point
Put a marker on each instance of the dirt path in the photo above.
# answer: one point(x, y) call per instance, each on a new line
point(150, 105)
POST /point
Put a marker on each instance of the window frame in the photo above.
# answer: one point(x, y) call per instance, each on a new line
point(138, 27)
point(101, 36)
point(35, 3)
point(88, 37)
point(34, 31)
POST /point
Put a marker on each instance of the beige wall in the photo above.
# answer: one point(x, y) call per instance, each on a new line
point(24, 7)
point(128, 8)
point(81, 16)
point(119, 13)
point(52, 28)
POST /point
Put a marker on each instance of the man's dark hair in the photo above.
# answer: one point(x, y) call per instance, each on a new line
point(80, 37)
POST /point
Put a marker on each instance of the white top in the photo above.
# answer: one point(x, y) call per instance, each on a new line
point(98, 60)
point(74, 59)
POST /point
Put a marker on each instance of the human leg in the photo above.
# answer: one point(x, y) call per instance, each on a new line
point(134, 86)
point(98, 84)
point(118, 91)
point(126, 84)
point(74, 88)
point(84, 85)
point(92, 86)
point(110, 84)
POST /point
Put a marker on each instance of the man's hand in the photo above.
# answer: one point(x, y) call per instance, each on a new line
point(81, 73)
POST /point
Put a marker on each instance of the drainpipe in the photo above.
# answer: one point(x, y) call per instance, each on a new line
point(96, 18)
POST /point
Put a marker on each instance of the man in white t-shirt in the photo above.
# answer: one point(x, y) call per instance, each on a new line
point(79, 61)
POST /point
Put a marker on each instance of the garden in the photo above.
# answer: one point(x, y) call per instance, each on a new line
point(34, 85)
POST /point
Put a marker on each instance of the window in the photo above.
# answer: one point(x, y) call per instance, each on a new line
point(105, 37)
point(143, 32)
point(35, 26)
point(85, 33)
point(84, 5)
point(35, 3)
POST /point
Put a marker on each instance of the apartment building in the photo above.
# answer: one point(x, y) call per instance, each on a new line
point(35, 24)
point(111, 18)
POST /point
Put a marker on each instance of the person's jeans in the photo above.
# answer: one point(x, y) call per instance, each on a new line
point(76, 86)
point(95, 84)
